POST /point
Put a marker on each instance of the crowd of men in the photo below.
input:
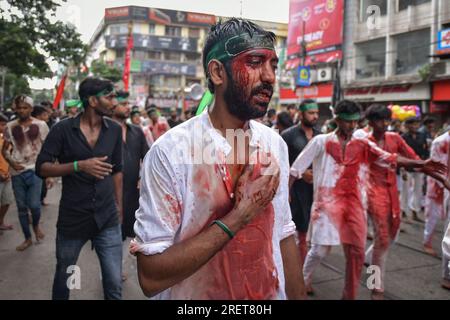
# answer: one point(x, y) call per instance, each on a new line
point(254, 217)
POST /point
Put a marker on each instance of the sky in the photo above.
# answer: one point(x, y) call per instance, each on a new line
point(86, 15)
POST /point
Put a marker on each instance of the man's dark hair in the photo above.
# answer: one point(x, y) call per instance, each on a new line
point(123, 94)
point(412, 120)
point(91, 86)
point(347, 106)
point(291, 106)
point(151, 110)
point(223, 30)
point(378, 111)
point(3, 118)
point(284, 119)
point(271, 113)
point(47, 104)
point(38, 110)
point(428, 120)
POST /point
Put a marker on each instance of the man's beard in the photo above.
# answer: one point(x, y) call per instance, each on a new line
point(309, 124)
point(240, 106)
point(121, 115)
point(103, 112)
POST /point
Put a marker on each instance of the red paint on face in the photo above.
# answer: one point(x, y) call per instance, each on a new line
point(251, 69)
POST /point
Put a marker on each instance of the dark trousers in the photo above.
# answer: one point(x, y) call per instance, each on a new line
point(108, 246)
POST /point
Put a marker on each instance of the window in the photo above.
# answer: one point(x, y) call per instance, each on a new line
point(151, 29)
point(412, 51)
point(173, 31)
point(172, 81)
point(370, 59)
point(120, 54)
point(194, 33)
point(192, 57)
point(119, 28)
point(157, 81)
point(139, 54)
point(404, 4)
point(155, 55)
point(364, 4)
point(139, 80)
point(172, 56)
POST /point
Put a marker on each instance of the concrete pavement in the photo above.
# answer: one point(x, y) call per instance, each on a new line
point(411, 274)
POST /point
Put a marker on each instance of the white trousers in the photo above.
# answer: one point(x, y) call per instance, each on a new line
point(412, 192)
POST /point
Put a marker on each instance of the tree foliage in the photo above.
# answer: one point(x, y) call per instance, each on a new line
point(101, 69)
point(28, 36)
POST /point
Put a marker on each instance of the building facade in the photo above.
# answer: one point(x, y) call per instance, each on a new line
point(391, 52)
point(166, 54)
point(387, 51)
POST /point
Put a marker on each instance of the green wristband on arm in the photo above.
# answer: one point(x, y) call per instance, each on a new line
point(75, 166)
point(224, 227)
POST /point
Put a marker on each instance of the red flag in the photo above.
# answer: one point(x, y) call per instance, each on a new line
point(59, 92)
point(126, 70)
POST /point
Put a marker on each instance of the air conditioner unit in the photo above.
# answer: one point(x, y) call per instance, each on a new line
point(324, 74)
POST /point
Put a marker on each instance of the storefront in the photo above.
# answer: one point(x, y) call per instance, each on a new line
point(440, 104)
point(397, 94)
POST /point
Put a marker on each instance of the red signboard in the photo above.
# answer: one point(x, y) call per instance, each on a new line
point(322, 21)
point(441, 90)
point(378, 90)
point(200, 18)
point(116, 12)
point(318, 91)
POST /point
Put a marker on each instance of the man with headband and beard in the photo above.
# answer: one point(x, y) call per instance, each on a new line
point(296, 138)
point(214, 219)
point(340, 161)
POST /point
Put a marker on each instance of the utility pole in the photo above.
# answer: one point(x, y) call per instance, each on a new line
point(303, 54)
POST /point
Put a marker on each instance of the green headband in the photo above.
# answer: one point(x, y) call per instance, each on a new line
point(105, 92)
point(73, 103)
point(121, 99)
point(309, 106)
point(349, 116)
point(231, 47)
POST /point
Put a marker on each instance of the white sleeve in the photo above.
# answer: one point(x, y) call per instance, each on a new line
point(283, 194)
point(160, 207)
point(306, 157)
point(446, 243)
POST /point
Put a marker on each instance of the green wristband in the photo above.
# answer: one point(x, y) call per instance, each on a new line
point(224, 227)
point(75, 166)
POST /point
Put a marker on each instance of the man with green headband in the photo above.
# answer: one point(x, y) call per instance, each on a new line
point(86, 151)
point(218, 226)
point(296, 138)
point(340, 161)
point(73, 107)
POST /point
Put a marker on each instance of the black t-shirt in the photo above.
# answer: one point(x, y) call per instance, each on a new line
point(87, 204)
point(418, 144)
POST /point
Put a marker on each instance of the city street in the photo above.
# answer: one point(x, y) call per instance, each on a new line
point(411, 274)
